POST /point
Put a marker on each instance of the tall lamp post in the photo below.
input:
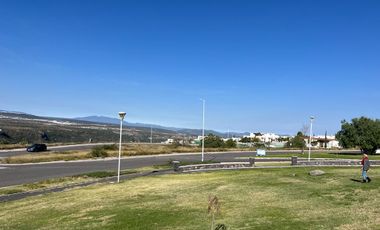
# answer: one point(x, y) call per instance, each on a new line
point(121, 115)
point(311, 133)
point(151, 134)
point(203, 130)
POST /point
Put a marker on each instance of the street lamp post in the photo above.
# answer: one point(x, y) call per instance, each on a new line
point(121, 115)
point(151, 134)
point(203, 130)
point(311, 133)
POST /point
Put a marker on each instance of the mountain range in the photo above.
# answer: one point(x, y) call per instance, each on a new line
point(187, 131)
point(115, 121)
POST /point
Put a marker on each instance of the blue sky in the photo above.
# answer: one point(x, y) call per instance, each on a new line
point(261, 65)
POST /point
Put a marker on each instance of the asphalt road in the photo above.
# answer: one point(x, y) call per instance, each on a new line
point(28, 173)
point(16, 152)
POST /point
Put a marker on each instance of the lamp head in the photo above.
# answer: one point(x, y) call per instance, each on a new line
point(122, 115)
point(312, 118)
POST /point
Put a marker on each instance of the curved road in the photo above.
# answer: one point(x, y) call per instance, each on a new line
point(62, 148)
point(12, 174)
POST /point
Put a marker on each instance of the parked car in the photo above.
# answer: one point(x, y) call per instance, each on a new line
point(377, 151)
point(36, 148)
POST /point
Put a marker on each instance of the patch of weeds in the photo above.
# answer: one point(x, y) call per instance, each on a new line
point(163, 166)
point(8, 191)
point(34, 186)
point(100, 174)
point(102, 151)
point(112, 147)
point(99, 151)
point(103, 174)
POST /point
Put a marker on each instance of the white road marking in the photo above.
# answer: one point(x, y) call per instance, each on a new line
point(3, 167)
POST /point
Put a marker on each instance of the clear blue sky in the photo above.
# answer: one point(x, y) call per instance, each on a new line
point(261, 65)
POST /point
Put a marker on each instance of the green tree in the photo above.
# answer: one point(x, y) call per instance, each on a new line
point(245, 140)
point(255, 140)
point(362, 132)
point(213, 141)
point(230, 143)
point(297, 141)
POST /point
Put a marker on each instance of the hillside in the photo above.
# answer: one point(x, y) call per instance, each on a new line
point(25, 128)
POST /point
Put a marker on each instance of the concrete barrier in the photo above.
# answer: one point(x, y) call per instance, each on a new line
point(223, 165)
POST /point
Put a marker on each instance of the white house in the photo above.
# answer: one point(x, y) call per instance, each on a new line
point(321, 141)
point(264, 137)
point(237, 139)
point(169, 141)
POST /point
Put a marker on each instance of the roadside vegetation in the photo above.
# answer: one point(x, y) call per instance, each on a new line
point(108, 151)
point(246, 199)
point(105, 151)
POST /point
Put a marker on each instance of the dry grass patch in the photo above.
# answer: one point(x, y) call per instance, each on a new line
point(250, 199)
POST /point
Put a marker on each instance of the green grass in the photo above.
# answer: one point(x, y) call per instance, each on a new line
point(250, 199)
point(62, 181)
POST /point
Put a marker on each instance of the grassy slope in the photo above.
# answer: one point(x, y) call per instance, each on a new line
point(250, 199)
point(21, 133)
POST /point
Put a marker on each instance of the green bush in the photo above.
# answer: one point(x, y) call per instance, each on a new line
point(213, 141)
point(110, 147)
point(230, 143)
point(99, 151)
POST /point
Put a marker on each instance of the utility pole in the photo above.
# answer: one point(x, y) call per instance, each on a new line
point(121, 115)
point(151, 134)
point(203, 130)
point(311, 133)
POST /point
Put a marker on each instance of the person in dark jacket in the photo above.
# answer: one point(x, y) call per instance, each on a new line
point(365, 167)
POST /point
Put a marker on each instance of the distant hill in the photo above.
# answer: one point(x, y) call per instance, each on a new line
point(19, 127)
point(186, 131)
point(116, 121)
point(25, 128)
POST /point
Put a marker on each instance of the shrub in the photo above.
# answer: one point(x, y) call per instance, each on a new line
point(230, 143)
point(110, 147)
point(99, 151)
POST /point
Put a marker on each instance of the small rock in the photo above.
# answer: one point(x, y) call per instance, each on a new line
point(316, 172)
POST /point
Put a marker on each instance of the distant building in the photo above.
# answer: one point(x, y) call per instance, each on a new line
point(169, 141)
point(321, 141)
point(237, 139)
point(264, 137)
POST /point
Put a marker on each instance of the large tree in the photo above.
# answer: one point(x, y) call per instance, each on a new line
point(297, 141)
point(363, 133)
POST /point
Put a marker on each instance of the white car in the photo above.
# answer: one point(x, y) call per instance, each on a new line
point(377, 151)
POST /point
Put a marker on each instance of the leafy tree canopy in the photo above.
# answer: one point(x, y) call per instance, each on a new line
point(213, 141)
point(297, 141)
point(361, 132)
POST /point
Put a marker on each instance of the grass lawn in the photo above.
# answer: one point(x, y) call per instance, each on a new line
point(250, 199)
point(71, 180)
